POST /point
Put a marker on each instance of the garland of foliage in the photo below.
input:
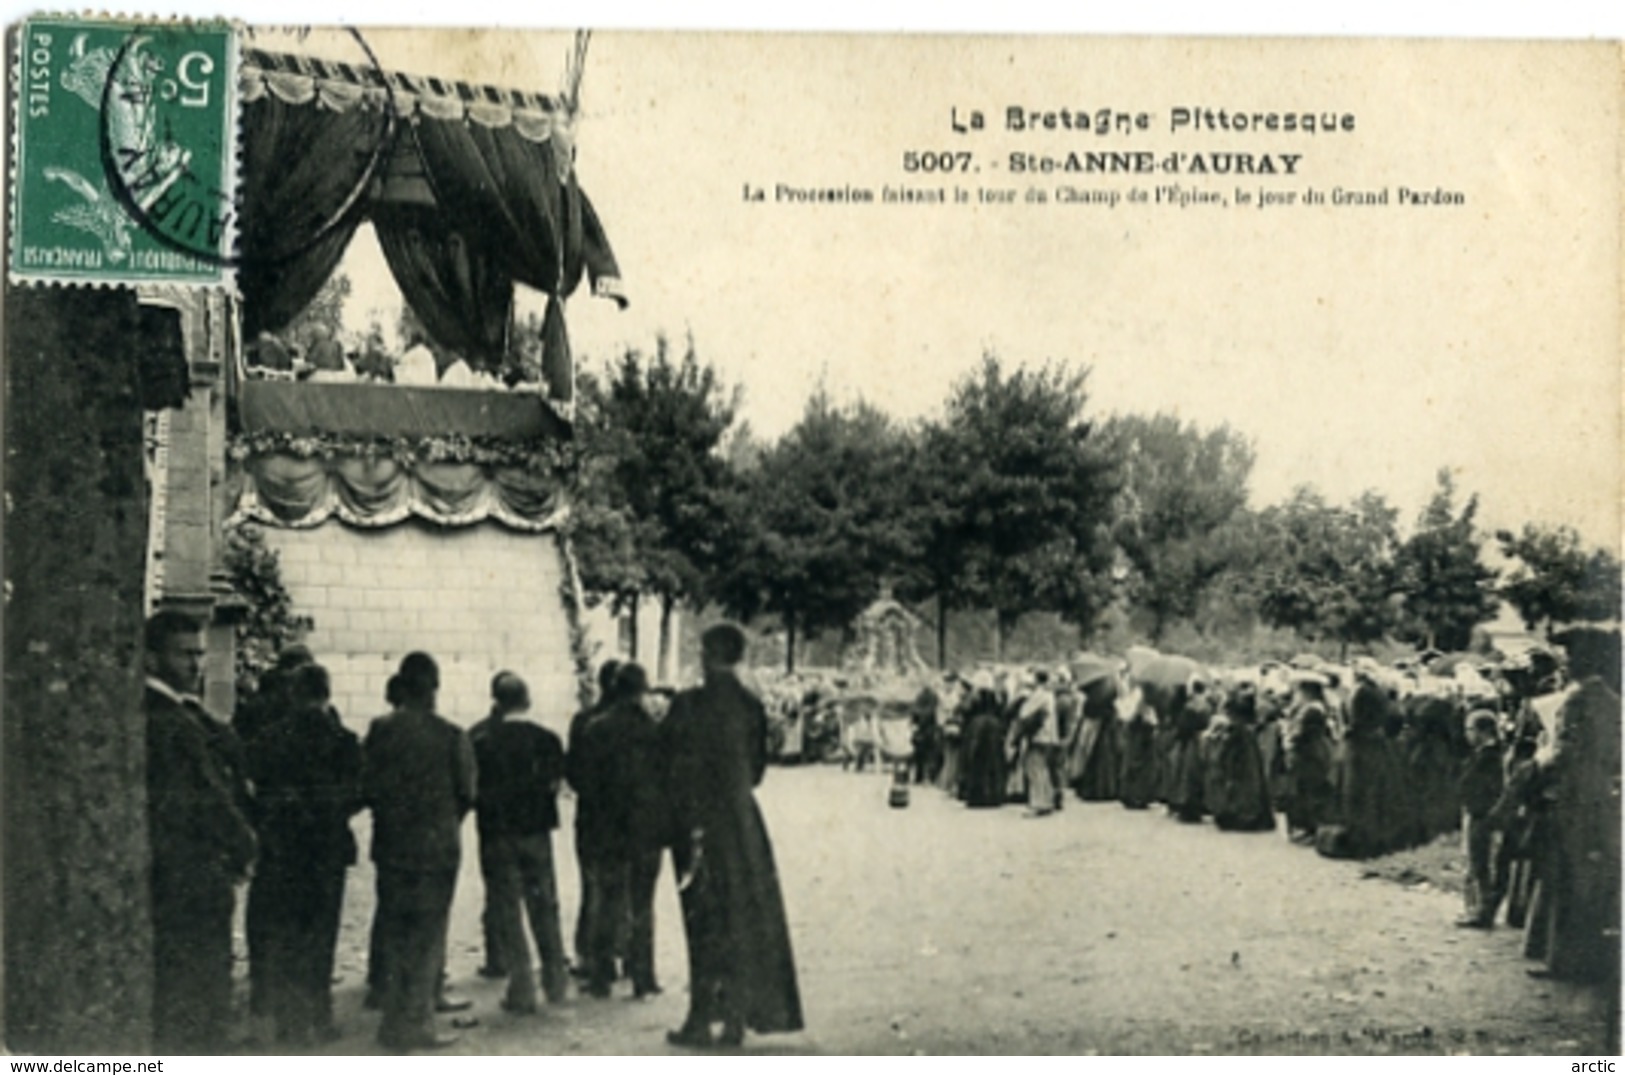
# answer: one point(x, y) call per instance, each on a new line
point(255, 571)
point(545, 456)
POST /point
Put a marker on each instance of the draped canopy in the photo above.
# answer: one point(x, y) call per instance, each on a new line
point(470, 188)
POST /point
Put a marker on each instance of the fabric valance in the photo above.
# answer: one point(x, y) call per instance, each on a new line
point(291, 491)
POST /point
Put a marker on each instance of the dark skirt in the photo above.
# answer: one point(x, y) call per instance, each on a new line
point(982, 768)
point(1237, 793)
point(1092, 759)
point(1137, 778)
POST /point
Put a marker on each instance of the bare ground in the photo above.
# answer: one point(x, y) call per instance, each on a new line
point(937, 929)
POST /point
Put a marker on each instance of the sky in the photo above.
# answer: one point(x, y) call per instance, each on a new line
point(1357, 347)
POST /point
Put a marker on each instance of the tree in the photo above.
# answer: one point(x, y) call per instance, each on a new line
point(941, 570)
point(823, 520)
point(1327, 571)
point(269, 624)
point(1029, 503)
point(654, 483)
point(1180, 485)
point(1556, 579)
point(1448, 590)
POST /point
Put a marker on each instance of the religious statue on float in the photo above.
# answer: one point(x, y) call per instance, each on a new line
point(883, 640)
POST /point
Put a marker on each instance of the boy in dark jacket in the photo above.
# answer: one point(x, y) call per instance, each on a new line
point(1480, 787)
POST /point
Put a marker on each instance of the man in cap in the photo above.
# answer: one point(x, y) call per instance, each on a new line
point(1480, 789)
point(307, 776)
point(202, 844)
point(606, 695)
point(521, 765)
point(256, 715)
point(420, 782)
point(621, 819)
point(741, 969)
point(1574, 921)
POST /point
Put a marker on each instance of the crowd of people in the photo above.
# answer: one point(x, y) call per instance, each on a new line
point(1522, 757)
point(269, 799)
point(323, 358)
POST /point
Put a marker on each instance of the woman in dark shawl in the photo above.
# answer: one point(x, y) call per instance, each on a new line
point(1183, 788)
point(982, 773)
point(1092, 755)
point(1311, 796)
point(1137, 778)
point(1238, 796)
point(1431, 760)
point(1370, 813)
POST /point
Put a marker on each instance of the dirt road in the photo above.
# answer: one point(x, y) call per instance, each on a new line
point(937, 929)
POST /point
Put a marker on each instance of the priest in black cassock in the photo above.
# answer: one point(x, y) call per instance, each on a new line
point(741, 970)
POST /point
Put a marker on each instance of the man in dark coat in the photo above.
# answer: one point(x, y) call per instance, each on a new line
point(306, 769)
point(201, 844)
point(419, 779)
point(1482, 783)
point(606, 690)
point(521, 766)
point(741, 969)
point(1574, 920)
point(925, 737)
point(256, 714)
point(622, 817)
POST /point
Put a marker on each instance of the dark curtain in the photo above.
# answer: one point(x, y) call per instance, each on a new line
point(558, 364)
point(599, 259)
point(457, 289)
point(493, 181)
point(303, 170)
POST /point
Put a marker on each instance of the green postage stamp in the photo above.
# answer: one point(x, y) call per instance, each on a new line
point(124, 153)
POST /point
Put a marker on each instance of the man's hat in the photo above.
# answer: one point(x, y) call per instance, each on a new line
point(723, 642)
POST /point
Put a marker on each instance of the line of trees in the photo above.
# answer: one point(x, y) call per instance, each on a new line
point(1013, 501)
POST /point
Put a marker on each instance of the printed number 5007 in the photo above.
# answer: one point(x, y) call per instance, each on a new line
point(945, 161)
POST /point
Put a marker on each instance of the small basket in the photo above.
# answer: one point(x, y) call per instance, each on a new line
point(897, 796)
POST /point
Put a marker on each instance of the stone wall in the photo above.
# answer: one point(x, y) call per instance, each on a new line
point(479, 599)
point(78, 939)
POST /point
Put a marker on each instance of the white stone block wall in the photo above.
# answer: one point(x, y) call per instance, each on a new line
point(479, 599)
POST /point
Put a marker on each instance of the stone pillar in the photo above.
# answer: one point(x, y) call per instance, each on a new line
point(78, 957)
point(195, 490)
